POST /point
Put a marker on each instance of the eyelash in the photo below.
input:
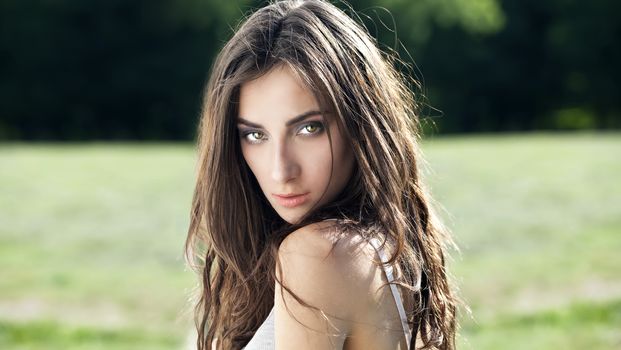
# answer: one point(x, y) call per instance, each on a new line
point(319, 126)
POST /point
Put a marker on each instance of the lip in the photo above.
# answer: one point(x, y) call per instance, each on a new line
point(291, 200)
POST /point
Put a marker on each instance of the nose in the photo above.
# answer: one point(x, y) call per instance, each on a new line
point(284, 167)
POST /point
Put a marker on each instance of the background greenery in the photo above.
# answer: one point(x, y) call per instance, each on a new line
point(91, 239)
point(115, 69)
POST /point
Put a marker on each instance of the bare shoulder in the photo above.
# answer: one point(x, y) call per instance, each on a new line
point(316, 238)
point(322, 246)
point(327, 270)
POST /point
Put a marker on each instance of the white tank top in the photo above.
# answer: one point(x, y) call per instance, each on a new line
point(263, 338)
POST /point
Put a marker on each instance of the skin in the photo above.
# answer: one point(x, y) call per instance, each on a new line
point(292, 159)
point(345, 284)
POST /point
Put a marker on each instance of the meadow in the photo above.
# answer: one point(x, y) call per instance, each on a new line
point(92, 234)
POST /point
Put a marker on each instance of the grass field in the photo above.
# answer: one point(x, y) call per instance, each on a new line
point(91, 239)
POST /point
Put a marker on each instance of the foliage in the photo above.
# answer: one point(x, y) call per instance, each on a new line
point(76, 70)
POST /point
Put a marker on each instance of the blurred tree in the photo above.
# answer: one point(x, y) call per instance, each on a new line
point(75, 70)
point(106, 69)
point(526, 69)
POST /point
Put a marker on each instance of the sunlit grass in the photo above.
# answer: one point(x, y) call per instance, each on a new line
point(52, 335)
point(91, 239)
point(538, 220)
point(92, 236)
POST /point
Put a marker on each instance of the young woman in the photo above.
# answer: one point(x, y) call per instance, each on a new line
point(310, 226)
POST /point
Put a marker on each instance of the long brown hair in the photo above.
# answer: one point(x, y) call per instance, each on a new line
point(234, 233)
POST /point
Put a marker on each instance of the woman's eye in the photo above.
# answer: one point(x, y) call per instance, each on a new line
point(311, 128)
point(253, 136)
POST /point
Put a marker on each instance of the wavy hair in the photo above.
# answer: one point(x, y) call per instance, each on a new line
point(234, 233)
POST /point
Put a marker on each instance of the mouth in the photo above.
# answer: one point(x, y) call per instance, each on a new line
point(291, 200)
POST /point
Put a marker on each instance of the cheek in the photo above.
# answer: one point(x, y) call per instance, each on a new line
point(343, 159)
point(252, 158)
point(318, 163)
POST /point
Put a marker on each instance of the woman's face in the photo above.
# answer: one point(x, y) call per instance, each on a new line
point(285, 143)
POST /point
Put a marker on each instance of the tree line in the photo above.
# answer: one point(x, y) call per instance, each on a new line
point(125, 70)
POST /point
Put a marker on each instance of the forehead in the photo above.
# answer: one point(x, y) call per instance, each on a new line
point(279, 93)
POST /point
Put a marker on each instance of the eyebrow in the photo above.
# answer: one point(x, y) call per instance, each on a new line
point(290, 122)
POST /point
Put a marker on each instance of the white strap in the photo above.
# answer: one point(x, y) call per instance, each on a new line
point(395, 292)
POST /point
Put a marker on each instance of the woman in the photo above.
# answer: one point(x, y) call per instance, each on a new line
point(307, 181)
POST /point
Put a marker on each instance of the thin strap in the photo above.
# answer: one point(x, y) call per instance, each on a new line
point(395, 292)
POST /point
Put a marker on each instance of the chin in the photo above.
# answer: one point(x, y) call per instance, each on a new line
point(290, 218)
point(292, 215)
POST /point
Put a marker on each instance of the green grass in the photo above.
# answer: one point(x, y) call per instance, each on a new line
point(52, 335)
point(580, 325)
point(91, 239)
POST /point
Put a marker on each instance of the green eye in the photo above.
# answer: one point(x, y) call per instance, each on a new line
point(311, 128)
point(253, 136)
